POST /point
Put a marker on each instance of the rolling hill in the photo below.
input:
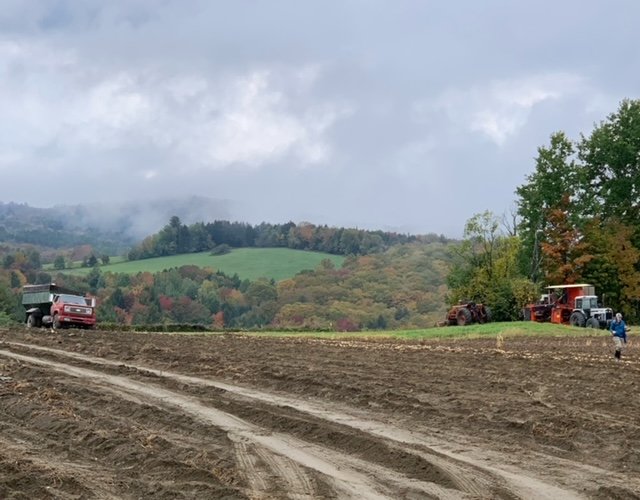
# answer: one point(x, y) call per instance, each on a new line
point(248, 263)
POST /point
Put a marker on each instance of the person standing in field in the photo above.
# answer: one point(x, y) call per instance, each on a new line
point(619, 334)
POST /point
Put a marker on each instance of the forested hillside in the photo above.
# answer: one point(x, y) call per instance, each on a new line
point(403, 287)
point(108, 228)
point(389, 280)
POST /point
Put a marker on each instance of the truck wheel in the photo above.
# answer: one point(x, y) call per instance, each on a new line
point(593, 323)
point(32, 321)
point(463, 317)
point(577, 319)
point(56, 323)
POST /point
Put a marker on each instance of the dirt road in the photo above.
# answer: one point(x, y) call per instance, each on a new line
point(121, 415)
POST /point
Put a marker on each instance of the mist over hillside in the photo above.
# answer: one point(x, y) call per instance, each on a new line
point(138, 219)
point(112, 227)
point(116, 228)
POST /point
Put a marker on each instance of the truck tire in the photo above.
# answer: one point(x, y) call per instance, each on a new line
point(577, 319)
point(593, 323)
point(56, 325)
point(463, 317)
point(32, 321)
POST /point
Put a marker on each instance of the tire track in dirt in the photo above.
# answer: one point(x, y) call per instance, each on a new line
point(91, 478)
point(284, 470)
point(254, 475)
point(268, 473)
point(470, 476)
point(350, 477)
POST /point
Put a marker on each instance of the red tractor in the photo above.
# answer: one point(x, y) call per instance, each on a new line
point(466, 313)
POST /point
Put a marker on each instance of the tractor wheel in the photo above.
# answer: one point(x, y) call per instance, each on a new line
point(577, 319)
point(463, 317)
point(32, 321)
point(593, 323)
point(487, 315)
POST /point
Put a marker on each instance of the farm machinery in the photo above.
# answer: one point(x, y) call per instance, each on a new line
point(57, 307)
point(575, 305)
point(466, 313)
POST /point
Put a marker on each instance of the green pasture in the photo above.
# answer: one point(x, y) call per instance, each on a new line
point(248, 263)
point(76, 265)
point(489, 330)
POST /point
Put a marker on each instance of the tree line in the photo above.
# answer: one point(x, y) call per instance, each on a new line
point(178, 238)
point(577, 220)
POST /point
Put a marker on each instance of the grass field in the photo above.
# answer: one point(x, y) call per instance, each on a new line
point(248, 263)
point(490, 330)
point(78, 264)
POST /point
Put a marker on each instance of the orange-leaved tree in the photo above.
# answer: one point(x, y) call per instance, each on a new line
point(564, 249)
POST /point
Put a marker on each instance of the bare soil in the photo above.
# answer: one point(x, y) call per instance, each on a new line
point(121, 415)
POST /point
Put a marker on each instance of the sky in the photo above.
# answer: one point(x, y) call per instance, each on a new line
point(399, 115)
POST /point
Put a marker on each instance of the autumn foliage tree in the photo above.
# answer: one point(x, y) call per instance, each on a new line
point(565, 251)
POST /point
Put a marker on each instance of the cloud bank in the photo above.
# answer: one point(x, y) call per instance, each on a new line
point(408, 116)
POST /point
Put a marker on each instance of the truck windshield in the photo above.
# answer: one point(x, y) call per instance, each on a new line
point(72, 299)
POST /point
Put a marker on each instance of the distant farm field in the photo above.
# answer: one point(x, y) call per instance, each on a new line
point(248, 263)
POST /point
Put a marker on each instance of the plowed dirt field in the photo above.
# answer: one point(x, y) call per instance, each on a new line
point(121, 415)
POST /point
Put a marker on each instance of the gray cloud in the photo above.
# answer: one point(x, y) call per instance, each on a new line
point(404, 115)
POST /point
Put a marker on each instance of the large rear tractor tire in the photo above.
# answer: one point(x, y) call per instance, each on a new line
point(463, 317)
point(486, 318)
point(577, 319)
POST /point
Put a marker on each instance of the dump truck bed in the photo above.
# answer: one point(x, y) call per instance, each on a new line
point(42, 294)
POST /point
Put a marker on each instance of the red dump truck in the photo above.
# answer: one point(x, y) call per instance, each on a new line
point(53, 306)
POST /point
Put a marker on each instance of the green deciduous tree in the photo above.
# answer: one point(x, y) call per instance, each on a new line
point(613, 265)
point(611, 167)
point(553, 184)
point(59, 263)
point(485, 269)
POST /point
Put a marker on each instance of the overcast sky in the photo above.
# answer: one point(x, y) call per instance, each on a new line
point(395, 115)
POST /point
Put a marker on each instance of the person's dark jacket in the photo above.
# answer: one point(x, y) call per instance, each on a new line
point(619, 329)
